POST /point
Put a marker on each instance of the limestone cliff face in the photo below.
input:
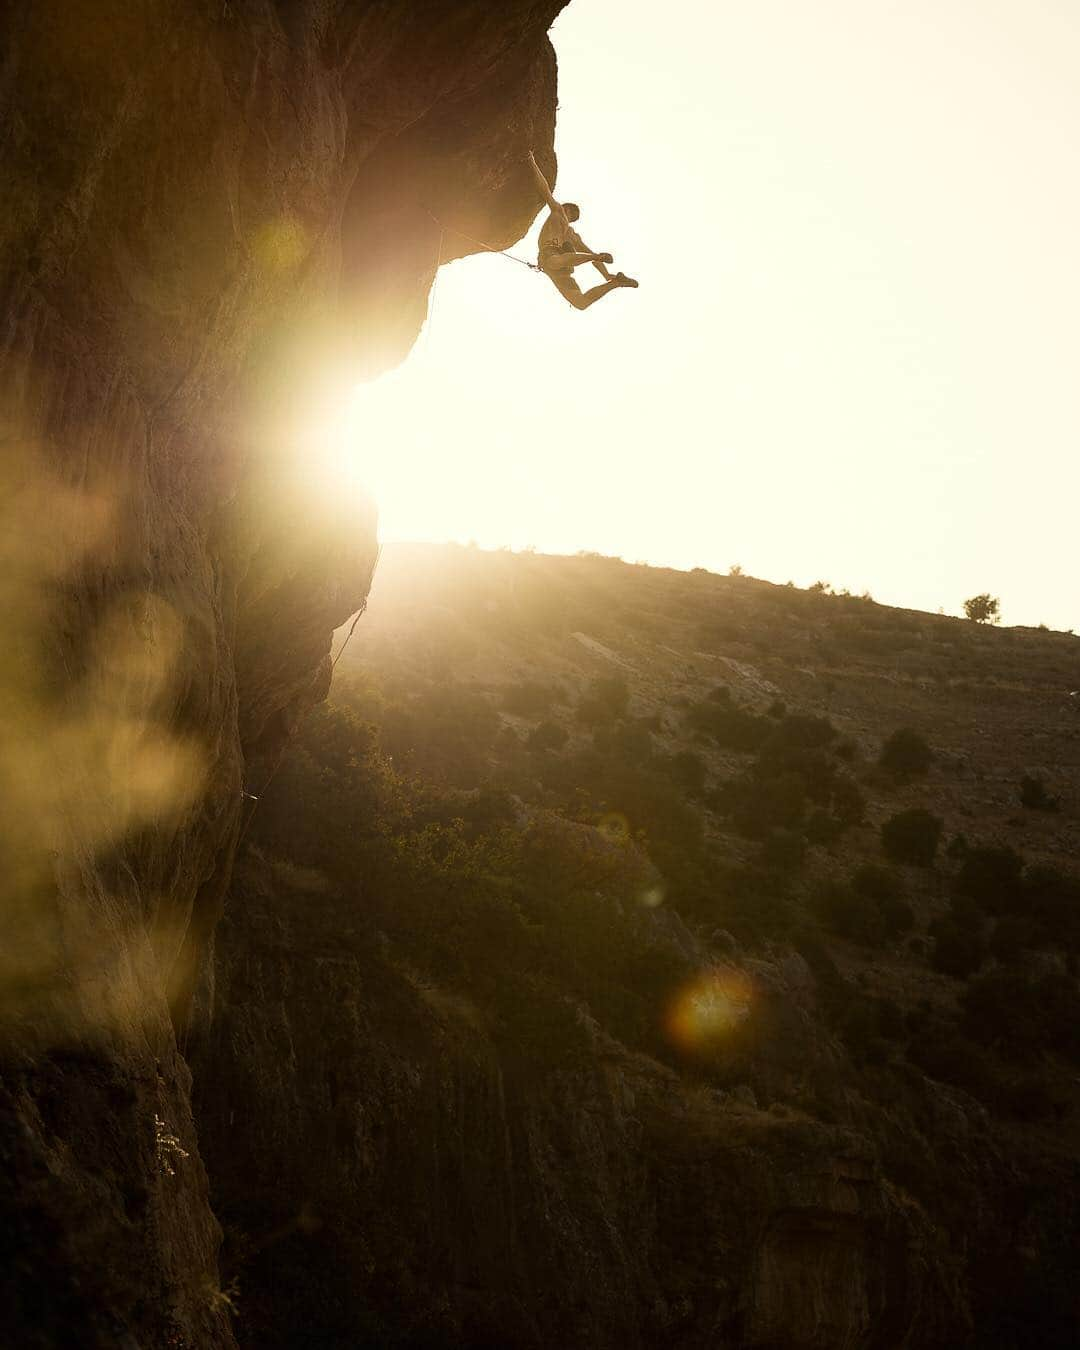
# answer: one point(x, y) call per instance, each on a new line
point(390, 1175)
point(216, 216)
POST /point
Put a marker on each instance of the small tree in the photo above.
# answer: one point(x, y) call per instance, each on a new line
point(1034, 796)
point(984, 608)
point(912, 837)
point(905, 754)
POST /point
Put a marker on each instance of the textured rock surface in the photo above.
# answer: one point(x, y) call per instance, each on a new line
point(439, 1192)
point(216, 214)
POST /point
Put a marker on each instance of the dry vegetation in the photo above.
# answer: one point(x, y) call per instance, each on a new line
point(781, 767)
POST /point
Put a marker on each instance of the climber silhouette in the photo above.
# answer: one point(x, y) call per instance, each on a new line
point(562, 249)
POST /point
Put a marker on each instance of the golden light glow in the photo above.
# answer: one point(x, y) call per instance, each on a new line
point(86, 755)
point(708, 1010)
point(614, 827)
point(845, 323)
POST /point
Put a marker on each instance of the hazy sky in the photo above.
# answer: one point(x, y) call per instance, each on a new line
point(854, 354)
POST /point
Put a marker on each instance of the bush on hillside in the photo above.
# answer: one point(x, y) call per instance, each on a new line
point(1019, 1013)
point(983, 608)
point(813, 767)
point(887, 891)
point(958, 951)
point(1051, 899)
point(729, 728)
point(848, 802)
point(1034, 796)
point(799, 731)
point(845, 913)
point(912, 837)
point(688, 770)
point(958, 847)
point(822, 830)
point(758, 805)
point(752, 903)
point(876, 882)
point(906, 754)
point(606, 700)
point(1013, 936)
point(992, 878)
point(784, 850)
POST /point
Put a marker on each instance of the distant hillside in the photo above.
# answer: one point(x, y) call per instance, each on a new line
point(710, 945)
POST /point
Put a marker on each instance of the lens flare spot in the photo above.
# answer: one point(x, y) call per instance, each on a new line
point(706, 1011)
point(652, 897)
point(614, 827)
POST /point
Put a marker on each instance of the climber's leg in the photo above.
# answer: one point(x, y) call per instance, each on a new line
point(580, 259)
point(571, 291)
point(580, 301)
point(563, 264)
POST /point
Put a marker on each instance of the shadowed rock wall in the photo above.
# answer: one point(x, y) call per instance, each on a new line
point(217, 214)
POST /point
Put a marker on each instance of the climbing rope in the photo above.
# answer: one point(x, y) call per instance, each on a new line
point(502, 252)
point(348, 635)
point(253, 798)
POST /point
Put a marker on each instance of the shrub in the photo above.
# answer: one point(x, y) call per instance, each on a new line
point(849, 915)
point(1020, 1014)
point(877, 883)
point(897, 916)
point(983, 608)
point(957, 951)
point(905, 754)
point(798, 731)
point(813, 767)
point(991, 877)
point(1034, 797)
point(912, 837)
point(887, 891)
point(758, 805)
point(848, 801)
point(689, 771)
point(958, 847)
point(822, 829)
point(606, 700)
point(784, 850)
point(942, 1053)
point(1013, 935)
point(731, 728)
point(1052, 899)
point(753, 903)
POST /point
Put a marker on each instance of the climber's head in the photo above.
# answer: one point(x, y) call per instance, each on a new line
point(573, 211)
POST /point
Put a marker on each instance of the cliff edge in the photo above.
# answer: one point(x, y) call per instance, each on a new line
point(218, 215)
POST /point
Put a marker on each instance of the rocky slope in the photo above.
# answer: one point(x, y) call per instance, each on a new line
point(216, 216)
point(444, 1106)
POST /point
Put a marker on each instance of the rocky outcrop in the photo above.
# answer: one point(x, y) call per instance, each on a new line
point(217, 215)
point(391, 1174)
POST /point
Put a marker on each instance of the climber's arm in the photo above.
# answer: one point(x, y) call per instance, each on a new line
point(542, 185)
